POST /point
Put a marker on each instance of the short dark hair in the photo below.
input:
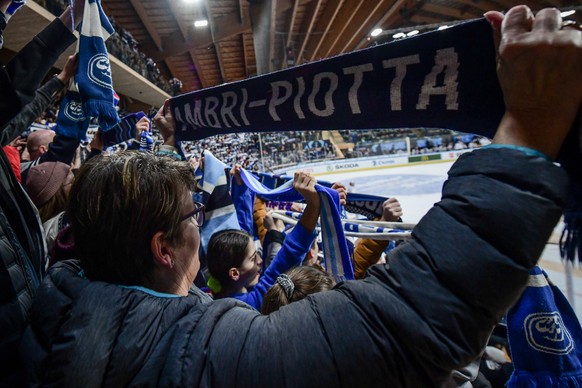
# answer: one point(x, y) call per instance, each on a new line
point(306, 280)
point(226, 249)
point(116, 205)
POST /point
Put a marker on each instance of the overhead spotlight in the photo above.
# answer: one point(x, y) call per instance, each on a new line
point(399, 35)
point(412, 33)
point(201, 23)
point(443, 28)
point(376, 32)
point(567, 13)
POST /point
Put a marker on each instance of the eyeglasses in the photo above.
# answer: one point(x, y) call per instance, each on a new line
point(197, 213)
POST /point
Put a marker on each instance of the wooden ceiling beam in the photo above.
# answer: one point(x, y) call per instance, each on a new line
point(145, 19)
point(263, 20)
point(176, 45)
point(348, 14)
point(291, 24)
point(184, 30)
point(179, 43)
point(213, 26)
point(366, 24)
point(390, 16)
point(326, 21)
point(443, 10)
point(307, 26)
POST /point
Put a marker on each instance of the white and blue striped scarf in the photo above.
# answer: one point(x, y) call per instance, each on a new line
point(335, 249)
point(220, 213)
point(94, 71)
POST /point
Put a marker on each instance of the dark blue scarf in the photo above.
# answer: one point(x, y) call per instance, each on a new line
point(72, 121)
point(122, 131)
point(545, 337)
point(442, 79)
point(94, 72)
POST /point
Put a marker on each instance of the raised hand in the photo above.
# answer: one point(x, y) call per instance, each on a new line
point(164, 121)
point(540, 72)
point(391, 210)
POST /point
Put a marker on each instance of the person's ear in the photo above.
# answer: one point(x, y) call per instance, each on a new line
point(162, 250)
point(234, 274)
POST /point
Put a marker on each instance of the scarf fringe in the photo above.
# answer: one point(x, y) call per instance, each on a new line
point(527, 380)
point(108, 116)
point(571, 238)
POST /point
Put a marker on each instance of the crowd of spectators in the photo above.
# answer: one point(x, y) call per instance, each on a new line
point(271, 150)
point(133, 268)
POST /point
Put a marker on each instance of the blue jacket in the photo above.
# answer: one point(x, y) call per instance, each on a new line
point(406, 324)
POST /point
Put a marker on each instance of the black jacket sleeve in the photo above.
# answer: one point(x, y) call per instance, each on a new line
point(426, 312)
point(44, 97)
point(29, 67)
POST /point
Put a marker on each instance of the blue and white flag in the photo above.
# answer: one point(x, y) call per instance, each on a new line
point(94, 72)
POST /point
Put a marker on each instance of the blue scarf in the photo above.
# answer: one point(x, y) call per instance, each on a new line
point(94, 71)
point(545, 337)
point(122, 131)
point(72, 121)
point(370, 206)
point(335, 249)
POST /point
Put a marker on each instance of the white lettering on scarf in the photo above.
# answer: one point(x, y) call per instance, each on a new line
point(231, 109)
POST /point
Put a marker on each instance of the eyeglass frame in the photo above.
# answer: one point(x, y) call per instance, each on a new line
point(198, 212)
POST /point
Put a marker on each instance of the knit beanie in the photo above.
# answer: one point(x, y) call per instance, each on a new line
point(44, 180)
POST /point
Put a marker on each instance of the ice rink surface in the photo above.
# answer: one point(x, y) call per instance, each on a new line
point(418, 186)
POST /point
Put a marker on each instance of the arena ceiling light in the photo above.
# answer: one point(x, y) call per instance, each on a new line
point(412, 33)
point(201, 23)
point(376, 32)
point(567, 13)
point(399, 35)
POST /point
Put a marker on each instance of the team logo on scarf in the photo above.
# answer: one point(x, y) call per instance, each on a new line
point(74, 111)
point(547, 333)
point(99, 71)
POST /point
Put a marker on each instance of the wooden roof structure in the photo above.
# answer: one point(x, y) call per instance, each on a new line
point(244, 38)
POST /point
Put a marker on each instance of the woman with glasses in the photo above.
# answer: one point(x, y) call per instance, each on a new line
point(234, 262)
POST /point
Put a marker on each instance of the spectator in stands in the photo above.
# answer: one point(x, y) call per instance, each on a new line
point(38, 142)
point(136, 319)
point(235, 263)
point(47, 186)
